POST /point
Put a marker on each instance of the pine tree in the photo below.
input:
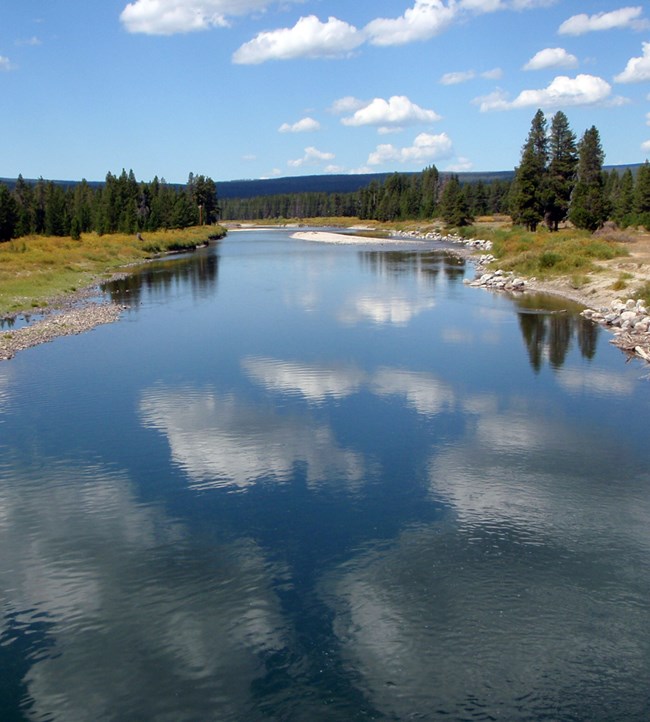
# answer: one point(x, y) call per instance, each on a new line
point(561, 170)
point(588, 203)
point(624, 204)
point(642, 196)
point(530, 191)
point(8, 214)
point(453, 204)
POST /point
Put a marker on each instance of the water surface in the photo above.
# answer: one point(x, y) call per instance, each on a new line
point(309, 482)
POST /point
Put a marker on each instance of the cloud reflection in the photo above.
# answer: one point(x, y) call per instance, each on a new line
point(138, 623)
point(220, 441)
point(315, 382)
point(383, 310)
point(426, 394)
point(448, 624)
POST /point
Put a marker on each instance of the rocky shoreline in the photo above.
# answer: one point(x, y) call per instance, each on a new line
point(67, 315)
point(628, 320)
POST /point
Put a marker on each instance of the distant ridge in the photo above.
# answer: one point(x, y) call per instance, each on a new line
point(251, 188)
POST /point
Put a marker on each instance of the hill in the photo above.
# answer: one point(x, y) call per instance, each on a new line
point(252, 188)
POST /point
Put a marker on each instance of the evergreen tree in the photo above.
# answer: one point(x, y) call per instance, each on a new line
point(530, 190)
point(453, 204)
point(624, 201)
point(561, 170)
point(429, 191)
point(57, 221)
point(642, 196)
point(8, 214)
point(588, 203)
point(24, 197)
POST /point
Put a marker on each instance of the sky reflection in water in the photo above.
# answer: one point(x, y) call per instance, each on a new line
point(307, 482)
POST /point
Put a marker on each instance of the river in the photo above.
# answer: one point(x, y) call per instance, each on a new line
point(299, 481)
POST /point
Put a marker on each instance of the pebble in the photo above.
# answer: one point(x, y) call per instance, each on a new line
point(69, 322)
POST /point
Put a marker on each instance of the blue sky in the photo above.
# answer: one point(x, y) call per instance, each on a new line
point(261, 88)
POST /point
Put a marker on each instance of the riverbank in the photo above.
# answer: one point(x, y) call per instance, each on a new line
point(56, 281)
point(601, 293)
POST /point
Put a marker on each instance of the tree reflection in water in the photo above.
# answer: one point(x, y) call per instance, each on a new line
point(549, 331)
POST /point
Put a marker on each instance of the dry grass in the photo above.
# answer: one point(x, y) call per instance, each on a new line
point(33, 269)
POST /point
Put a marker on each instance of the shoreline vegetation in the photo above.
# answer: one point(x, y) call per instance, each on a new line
point(54, 279)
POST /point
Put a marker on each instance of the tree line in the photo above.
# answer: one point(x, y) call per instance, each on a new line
point(559, 179)
point(120, 205)
point(401, 196)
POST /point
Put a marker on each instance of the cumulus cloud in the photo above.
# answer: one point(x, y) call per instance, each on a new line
point(493, 74)
point(551, 58)
point(5, 63)
point(302, 126)
point(169, 17)
point(637, 69)
point(462, 76)
point(308, 38)
point(397, 110)
point(628, 17)
point(645, 146)
point(425, 148)
point(312, 156)
point(424, 20)
point(349, 104)
point(455, 78)
point(563, 91)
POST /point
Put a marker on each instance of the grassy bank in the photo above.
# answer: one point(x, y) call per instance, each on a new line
point(35, 269)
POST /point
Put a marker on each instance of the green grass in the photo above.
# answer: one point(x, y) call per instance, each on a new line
point(37, 268)
point(544, 254)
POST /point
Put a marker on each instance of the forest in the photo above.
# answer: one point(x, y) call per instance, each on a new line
point(120, 204)
point(558, 179)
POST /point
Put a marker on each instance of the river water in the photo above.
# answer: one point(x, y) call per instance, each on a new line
point(300, 481)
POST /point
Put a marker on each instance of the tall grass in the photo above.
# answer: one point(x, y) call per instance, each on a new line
point(544, 254)
point(34, 269)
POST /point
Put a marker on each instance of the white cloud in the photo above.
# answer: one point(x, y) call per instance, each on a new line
point(490, 6)
point(349, 104)
point(637, 69)
point(5, 64)
point(302, 126)
point(168, 17)
point(308, 38)
point(312, 156)
point(563, 91)
point(493, 74)
point(645, 146)
point(628, 17)
point(455, 78)
point(398, 110)
point(463, 76)
point(424, 20)
point(425, 148)
point(551, 58)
